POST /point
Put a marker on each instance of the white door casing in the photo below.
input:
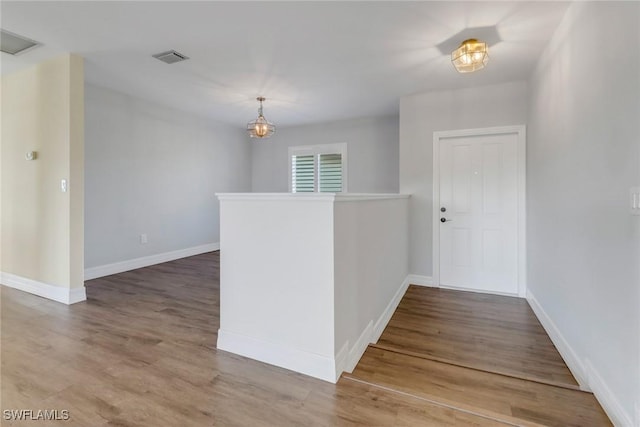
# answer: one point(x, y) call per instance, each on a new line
point(479, 178)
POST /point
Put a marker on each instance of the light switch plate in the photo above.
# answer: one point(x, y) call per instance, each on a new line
point(634, 200)
point(63, 185)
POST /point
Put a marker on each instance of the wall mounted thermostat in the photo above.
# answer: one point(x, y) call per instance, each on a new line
point(31, 155)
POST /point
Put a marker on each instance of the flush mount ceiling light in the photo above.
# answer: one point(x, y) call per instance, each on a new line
point(14, 44)
point(472, 55)
point(260, 127)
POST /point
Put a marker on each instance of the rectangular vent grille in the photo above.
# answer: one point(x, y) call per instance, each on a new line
point(170, 57)
point(14, 44)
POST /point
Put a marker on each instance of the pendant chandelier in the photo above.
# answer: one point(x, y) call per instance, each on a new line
point(260, 127)
point(472, 55)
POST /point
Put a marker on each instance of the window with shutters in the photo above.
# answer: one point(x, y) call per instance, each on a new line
point(318, 168)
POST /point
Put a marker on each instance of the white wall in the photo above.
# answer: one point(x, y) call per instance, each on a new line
point(154, 170)
point(371, 244)
point(423, 114)
point(372, 151)
point(276, 281)
point(42, 227)
point(583, 156)
point(308, 280)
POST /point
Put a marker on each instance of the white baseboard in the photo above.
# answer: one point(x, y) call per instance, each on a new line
point(481, 291)
point(342, 360)
point(294, 359)
point(370, 334)
point(574, 363)
point(586, 375)
point(416, 279)
point(615, 411)
point(146, 261)
point(317, 366)
point(384, 318)
point(56, 293)
point(357, 350)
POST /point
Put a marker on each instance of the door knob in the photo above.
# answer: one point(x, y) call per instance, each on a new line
point(443, 219)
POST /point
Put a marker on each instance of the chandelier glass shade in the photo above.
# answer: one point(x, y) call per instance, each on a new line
point(260, 127)
point(472, 55)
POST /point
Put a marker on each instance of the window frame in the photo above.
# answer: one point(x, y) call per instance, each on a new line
point(316, 151)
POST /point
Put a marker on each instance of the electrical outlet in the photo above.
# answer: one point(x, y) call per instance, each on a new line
point(634, 200)
point(143, 239)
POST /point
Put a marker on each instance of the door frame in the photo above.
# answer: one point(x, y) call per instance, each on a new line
point(521, 150)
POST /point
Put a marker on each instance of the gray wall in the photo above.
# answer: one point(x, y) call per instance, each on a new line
point(583, 156)
point(423, 114)
point(372, 152)
point(152, 169)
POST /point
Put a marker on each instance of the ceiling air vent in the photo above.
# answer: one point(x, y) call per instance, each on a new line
point(170, 57)
point(14, 44)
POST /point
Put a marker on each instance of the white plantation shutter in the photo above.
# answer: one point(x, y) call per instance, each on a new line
point(303, 174)
point(330, 176)
point(318, 168)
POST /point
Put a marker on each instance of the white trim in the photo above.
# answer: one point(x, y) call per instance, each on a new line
point(370, 334)
point(570, 357)
point(479, 291)
point(314, 365)
point(343, 360)
point(584, 372)
point(279, 197)
point(521, 149)
point(357, 350)
point(384, 318)
point(132, 264)
point(615, 411)
point(351, 197)
point(338, 197)
point(56, 293)
point(416, 279)
point(318, 366)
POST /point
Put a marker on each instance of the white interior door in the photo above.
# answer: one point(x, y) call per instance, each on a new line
point(478, 224)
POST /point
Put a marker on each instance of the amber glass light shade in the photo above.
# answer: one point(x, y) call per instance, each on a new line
point(472, 55)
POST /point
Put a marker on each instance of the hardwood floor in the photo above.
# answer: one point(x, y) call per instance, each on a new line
point(141, 352)
point(501, 397)
point(488, 332)
point(483, 353)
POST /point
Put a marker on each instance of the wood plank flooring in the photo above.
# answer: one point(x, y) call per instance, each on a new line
point(481, 353)
point(488, 332)
point(141, 352)
point(502, 397)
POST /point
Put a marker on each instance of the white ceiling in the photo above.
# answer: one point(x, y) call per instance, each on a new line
point(313, 61)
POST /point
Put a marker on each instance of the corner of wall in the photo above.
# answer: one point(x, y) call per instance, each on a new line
point(570, 356)
point(41, 208)
point(588, 377)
